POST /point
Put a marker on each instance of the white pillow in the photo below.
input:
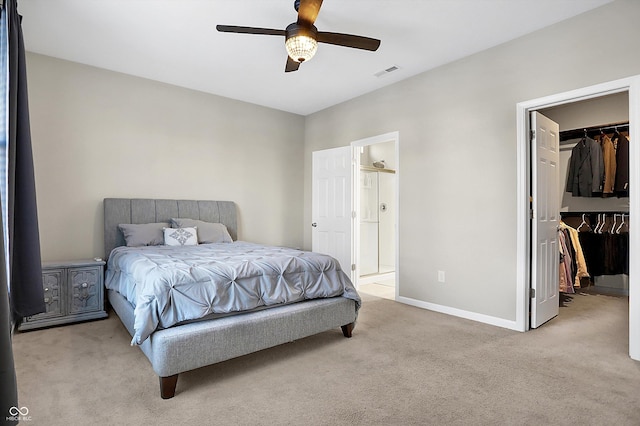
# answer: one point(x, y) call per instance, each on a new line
point(180, 236)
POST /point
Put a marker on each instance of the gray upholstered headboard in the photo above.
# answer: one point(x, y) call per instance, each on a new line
point(143, 210)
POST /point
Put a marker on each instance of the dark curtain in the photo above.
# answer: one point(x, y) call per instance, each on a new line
point(26, 295)
point(8, 385)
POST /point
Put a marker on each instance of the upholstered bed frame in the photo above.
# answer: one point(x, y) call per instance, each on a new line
point(186, 347)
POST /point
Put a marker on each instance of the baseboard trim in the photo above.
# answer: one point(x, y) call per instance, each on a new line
point(474, 316)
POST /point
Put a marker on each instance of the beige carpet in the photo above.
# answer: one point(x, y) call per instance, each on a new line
point(403, 366)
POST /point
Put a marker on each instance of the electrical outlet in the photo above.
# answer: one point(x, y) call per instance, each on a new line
point(440, 276)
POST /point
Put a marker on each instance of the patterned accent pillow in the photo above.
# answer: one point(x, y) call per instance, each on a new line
point(180, 236)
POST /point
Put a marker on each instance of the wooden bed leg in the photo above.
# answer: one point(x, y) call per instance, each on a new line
point(347, 329)
point(168, 386)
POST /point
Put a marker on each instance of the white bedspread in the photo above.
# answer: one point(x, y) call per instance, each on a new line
point(168, 285)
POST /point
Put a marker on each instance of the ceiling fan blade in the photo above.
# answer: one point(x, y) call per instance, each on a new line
point(349, 40)
point(291, 65)
point(249, 30)
point(308, 11)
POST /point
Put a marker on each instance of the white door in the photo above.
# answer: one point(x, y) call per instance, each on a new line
point(331, 205)
point(545, 254)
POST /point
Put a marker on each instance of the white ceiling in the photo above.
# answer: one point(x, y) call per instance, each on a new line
point(175, 41)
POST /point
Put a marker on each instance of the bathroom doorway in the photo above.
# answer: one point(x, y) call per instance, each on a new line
point(376, 198)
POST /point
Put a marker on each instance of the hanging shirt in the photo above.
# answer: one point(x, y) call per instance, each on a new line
point(622, 171)
point(609, 157)
point(581, 264)
point(586, 169)
point(565, 273)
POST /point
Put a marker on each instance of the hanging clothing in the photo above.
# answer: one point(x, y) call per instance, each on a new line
point(622, 170)
point(581, 264)
point(586, 169)
point(606, 249)
point(593, 250)
point(609, 157)
point(564, 271)
point(616, 253)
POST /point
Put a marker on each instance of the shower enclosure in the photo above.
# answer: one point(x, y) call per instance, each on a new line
point(377, 221)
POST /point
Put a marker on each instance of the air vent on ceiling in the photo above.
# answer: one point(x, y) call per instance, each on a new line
point(387, 71)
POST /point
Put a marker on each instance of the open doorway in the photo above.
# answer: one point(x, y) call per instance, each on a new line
point(376, 203)
point(628, 87)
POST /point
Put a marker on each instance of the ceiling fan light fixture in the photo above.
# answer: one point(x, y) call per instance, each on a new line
point(301, 48)
point(301, 42)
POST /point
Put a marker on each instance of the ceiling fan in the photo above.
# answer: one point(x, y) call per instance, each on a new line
point(302, 37)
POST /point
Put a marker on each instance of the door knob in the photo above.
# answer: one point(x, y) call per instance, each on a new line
point(314, 224)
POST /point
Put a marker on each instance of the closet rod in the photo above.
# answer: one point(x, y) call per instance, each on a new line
point(576, 214)
point(593, 130)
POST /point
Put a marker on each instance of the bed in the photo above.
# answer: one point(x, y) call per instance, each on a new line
point(176, 345)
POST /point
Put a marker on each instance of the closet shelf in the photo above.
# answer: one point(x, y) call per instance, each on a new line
point(375, 169)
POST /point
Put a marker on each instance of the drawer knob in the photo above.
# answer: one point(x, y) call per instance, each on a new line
point(84, 285)
point(46, 300)
point(46, 289)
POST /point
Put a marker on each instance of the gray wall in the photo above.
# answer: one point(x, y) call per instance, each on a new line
point(98, 134)
point(457, 161)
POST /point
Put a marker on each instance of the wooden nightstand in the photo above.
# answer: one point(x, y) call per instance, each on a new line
point(73, 291)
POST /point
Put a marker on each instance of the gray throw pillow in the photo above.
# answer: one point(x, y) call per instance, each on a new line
point(143, 234)
point(208, 232)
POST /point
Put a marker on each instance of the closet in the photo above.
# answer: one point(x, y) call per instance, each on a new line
point(594, 206)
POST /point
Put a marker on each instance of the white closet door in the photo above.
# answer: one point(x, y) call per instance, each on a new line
point(546, 218)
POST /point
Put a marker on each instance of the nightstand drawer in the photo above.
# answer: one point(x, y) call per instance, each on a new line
point(85, 284)
point(53, 285)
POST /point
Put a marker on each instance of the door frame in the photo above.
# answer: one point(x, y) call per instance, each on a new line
point(523, 259)
point(356, 145)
